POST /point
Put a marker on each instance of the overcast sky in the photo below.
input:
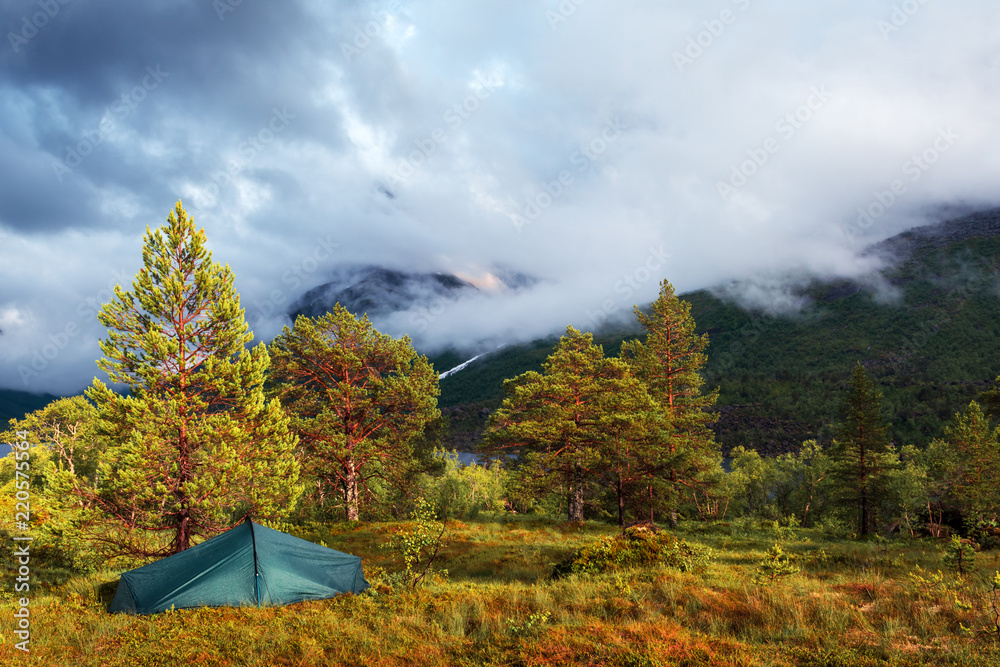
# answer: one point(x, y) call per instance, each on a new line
point(598, 146)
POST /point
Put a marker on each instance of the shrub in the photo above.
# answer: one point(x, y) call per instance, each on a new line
point(775, 563)
point(960, 555)
point(986, 532)
point(419, 544)
point(635, 547)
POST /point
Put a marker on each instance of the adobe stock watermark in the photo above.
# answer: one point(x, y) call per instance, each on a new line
point(901, 15)
point(454, 117)
point(247, 150)
point(52, 345)
point(630, 284)
point(119, 110)
point(295, 277)
point(786, 127)
point(914, 168)
point(22, 542)
point(364, 35)
point(32, 23)
point(581, 159)
point(699, 43)
point(562, 12)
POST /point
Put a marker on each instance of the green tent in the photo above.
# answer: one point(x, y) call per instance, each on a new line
point(247, 565)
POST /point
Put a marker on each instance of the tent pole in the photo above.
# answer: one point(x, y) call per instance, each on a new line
point(256, 573)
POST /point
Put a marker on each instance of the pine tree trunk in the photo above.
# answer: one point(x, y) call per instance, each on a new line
point(650, 503)
point(182, 537)
point(621, 503)
point(351, 491)
point(865, 520)
point(576, 496)
point(864, 488)
point(673, 506)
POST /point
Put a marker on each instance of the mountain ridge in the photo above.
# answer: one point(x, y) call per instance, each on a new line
point(375, 290)
point(932, 349)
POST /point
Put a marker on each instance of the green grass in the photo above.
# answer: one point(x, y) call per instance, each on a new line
point(851, 603)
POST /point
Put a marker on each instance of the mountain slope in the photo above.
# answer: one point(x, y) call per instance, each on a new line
point(15, 404)
point(930, 335)
point(378, 291)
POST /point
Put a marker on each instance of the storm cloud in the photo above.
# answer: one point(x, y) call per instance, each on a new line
point(597, 147)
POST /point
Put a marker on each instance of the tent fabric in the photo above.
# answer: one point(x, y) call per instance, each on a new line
point(247, 565)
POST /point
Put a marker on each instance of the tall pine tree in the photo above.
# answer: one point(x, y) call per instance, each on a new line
point(669, 362)
point(861, 451)
point(194, 446)
point(358, 398)
point(572, 422)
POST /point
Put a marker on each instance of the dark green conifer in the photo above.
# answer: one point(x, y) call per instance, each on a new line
point(861, 450)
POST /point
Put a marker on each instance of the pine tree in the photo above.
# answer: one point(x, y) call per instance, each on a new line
point(358, 399)
point(966, 464)
point(669, 363)
point(194, 446)
point(567, 420)
point(636, 439)
point(861, 451)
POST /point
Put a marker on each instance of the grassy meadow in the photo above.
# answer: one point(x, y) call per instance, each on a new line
point(850, 604)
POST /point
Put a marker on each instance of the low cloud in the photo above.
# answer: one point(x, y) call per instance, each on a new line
point(459, 137)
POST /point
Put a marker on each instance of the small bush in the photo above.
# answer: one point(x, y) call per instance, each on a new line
point(635, 547)
point(960, 555)
point(528, 626)
point(776, 563)
point(418, 545)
